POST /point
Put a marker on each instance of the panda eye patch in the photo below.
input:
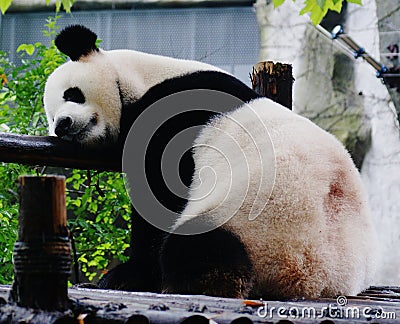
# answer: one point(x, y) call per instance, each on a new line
point(74, 95)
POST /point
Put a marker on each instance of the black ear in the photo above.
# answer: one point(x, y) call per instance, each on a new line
point(76, 41)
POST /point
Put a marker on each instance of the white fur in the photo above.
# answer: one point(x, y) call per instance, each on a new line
point(97, 75)
point(313, 236)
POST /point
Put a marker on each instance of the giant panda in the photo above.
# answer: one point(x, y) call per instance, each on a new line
point(279, 203)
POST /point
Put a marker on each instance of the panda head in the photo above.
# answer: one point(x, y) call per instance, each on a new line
point(82, 97)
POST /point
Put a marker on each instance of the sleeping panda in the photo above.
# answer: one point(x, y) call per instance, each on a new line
point(267, 203)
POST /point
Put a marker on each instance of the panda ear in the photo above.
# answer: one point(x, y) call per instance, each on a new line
point(76, 41)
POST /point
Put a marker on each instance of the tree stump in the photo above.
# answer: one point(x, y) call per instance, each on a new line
point(42, 253)
point(274, 81)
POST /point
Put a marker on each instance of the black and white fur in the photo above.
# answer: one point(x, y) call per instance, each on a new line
point(313, 236)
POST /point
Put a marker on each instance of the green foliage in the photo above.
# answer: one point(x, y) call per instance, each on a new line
point(21, 111)
point(21, 98)
point(4, 4)
point(98, 206)
point(9, 216)
point(319, 8)
point(101, 226)
point(66, 4)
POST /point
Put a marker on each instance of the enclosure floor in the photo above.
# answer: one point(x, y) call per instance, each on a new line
point(375, 305)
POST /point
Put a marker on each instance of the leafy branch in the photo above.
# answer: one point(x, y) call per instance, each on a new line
point(65, 4)
point(97, 203)
point(317, 9)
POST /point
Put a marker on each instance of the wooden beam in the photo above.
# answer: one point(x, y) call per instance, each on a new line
point(53, 151)
point(111, 307)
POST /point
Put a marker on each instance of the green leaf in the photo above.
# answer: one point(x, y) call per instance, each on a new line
point(336, 5)
point(67, 4)
point(28, 48)
point(309, 6)
point(321, 3)
point(277, 3)
point(4, 4)
point(319, 8)
point(317, 14)
point(58, 5)
point(83, 259)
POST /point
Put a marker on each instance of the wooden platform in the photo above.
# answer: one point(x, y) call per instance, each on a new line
point(376, 305)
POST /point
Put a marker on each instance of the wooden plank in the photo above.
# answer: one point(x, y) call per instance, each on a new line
point(53, 151)
point(105, 306)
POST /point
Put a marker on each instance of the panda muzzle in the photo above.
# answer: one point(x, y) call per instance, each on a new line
point(63, 126)
point(68, 129)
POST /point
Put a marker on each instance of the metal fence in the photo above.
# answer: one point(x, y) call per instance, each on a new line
point(227, 37)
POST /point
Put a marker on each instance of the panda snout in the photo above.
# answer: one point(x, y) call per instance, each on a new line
point(63, 126)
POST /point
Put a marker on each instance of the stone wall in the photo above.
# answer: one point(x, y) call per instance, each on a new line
point(344, 96)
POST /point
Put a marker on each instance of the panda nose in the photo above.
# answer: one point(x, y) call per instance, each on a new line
point(63, 126)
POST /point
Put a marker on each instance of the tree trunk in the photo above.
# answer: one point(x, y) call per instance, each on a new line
point(274, 81)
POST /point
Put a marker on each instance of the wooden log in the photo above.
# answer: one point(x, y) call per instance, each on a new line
point(53, 151)
point(42, 253)
point(274, 81)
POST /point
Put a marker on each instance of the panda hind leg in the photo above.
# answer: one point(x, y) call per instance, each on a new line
point(132, 276)
point(213, 263)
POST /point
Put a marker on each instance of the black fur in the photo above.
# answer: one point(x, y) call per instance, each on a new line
point(74, 95)
point(76, 41)
point(211, 80)
point(214, 263)
point(143, 272)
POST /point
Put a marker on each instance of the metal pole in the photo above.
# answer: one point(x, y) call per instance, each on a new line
point(337, 33)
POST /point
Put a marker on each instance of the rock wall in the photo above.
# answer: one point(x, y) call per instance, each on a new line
point(344, 96)
point(324, 75)
point(381, 168)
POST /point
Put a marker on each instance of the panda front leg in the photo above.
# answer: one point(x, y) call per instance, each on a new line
point(142, 272)
point(213, 263)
